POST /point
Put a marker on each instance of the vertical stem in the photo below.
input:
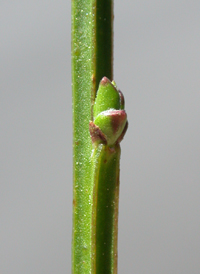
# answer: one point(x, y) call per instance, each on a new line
point(104, 38)
point(83, 90)
point(91, 60)
point(105, 206)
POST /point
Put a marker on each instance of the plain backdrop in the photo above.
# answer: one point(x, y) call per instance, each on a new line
point(157, 66)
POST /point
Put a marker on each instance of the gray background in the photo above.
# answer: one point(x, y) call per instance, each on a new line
point(157, 66)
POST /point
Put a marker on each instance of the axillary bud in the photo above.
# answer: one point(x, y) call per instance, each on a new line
point(110, 119)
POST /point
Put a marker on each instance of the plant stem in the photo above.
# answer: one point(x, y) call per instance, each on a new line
point(83, 92)
point(105, 205)
point(104, 39)
point(92, 56)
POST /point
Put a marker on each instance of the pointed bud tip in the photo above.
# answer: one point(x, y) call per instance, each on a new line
point(104, 81)
point(117, 113)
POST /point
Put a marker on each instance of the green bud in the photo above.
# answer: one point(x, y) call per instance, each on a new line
point(111, 123)
point(107, 97)
point(110, 119)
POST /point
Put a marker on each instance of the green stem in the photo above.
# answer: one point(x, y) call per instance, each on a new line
point(83, 93)
point(92, 57)
point(104, 39)
point(105, 215)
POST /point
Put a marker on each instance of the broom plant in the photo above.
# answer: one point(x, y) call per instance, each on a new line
point(99, 124)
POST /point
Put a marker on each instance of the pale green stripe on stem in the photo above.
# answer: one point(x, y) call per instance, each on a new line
point(83, 88)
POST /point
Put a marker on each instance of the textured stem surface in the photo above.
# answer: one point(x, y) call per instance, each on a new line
point(91, 47)
point(83, 91)
point(105, 208)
